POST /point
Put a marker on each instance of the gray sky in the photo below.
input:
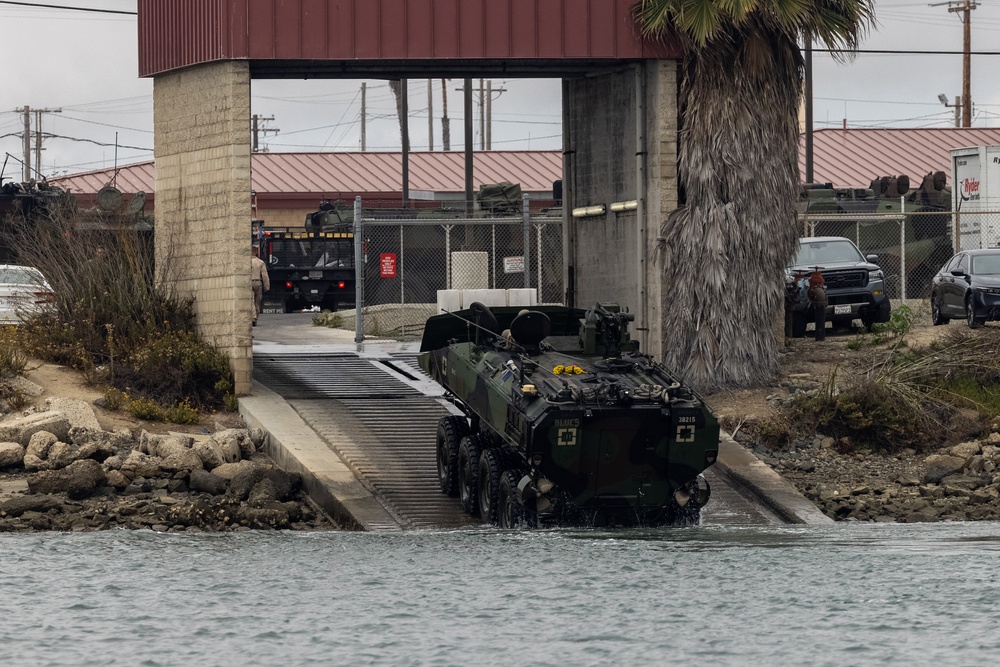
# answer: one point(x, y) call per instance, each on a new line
point(85, 64)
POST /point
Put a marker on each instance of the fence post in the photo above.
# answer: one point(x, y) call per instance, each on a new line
point(359, 276)
point(902, 249)
point(526, 217)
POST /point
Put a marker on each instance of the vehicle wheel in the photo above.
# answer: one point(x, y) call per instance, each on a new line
point(798, 324)
point(936, 318)
point(970, 314)
point(468, 472)
point(450, 432)
point(510, 512)
point(488, 484)
point(882, 314)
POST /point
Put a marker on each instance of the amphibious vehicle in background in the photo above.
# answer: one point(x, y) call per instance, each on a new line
point(565, 421)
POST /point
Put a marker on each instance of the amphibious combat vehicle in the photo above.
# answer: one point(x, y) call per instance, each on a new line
point(565, 421)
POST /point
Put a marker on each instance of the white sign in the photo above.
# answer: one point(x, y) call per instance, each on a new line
point(513, 264)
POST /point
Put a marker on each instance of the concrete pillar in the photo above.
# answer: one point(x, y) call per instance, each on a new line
point(601, 146)
point(202, 151)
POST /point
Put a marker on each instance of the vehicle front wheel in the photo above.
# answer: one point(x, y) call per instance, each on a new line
point(970, 314)
point(937, 318)
point(468, 473)
point(450, 432)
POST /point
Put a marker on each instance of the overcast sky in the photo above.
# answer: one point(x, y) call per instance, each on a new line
point(85, 65)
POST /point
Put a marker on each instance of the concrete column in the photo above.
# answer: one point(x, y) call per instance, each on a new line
point(602, 133)
point(202, 151)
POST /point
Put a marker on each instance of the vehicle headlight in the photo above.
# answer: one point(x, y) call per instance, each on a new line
point(988, 290)
point(876, 275)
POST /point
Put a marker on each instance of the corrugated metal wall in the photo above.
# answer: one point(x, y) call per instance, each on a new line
point(178, 33)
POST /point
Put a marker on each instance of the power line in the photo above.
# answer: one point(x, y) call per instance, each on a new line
point(38, 5)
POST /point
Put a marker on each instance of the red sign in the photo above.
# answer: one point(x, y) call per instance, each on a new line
point(387, 265)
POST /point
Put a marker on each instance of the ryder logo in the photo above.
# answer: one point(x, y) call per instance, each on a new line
point(970, 189)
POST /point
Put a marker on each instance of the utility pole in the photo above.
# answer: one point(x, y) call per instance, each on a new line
point(26, 114)
point(26, 167)
point(489, 111)
point(445, 121)
point(258, 130)
point(430, 115)
point(482, 118)
point(965, 7)
point(364, 116)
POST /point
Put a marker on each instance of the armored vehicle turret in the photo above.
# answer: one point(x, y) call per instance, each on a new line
point(565, 421)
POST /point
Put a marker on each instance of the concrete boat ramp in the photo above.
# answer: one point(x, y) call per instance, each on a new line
point(360, 429)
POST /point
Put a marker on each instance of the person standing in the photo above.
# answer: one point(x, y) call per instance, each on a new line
point(259, 281)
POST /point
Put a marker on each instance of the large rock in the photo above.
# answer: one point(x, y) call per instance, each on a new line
point(228, 471)
point(163, 445)
point(11, 454)
point(210, 453)
point(77, 480)
point(280, 483)
point(20, 429)
point(234, 443)
point(186, 459)
point(206, 482)
point(966, 450)
point(141, 465)
point(20, 504)
point(939, 466)
point(40, 442)
point(78, 413)
point(61, 454)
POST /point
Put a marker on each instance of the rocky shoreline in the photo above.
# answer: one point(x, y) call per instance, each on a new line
point(958, 483)
point(60, 471)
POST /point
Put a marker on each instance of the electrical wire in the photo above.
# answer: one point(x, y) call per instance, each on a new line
point(39, 5)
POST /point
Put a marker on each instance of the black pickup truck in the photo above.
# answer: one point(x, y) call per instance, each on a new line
point(855, 285)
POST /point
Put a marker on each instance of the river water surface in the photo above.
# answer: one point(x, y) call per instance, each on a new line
point(858, 594)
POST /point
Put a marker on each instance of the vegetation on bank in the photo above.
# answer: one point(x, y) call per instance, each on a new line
point(890, 395)
point(112, 318)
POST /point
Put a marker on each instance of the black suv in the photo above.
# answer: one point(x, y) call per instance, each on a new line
point(855, 285)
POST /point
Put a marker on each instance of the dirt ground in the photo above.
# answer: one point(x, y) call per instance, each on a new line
point(63, 382)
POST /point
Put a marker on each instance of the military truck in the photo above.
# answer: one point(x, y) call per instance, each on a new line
point(311, 267)
point(564, 420)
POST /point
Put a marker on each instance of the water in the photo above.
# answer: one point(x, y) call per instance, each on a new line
point(865, 594)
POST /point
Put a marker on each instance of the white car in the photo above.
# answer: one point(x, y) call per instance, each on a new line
point(23, 290)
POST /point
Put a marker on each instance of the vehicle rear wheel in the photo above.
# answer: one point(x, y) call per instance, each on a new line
point(488, 485)
point(450, 432)
point(510, 512)
point(881, 313)
point(970, 314)
point(468, 472)
point(936, 318)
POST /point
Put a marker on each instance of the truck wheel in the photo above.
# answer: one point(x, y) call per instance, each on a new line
point(882, 314)
point(468, 472)
point(488, 484)
point(970, 314)
point(510, 512)
point(450, 432)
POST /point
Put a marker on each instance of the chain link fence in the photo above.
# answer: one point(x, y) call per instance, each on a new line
point(911, 247)
point(406, 255)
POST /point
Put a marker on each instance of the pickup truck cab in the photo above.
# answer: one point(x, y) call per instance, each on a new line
point(855, 285)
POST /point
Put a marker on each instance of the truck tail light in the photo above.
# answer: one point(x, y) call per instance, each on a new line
point(341, 284)
point(289, 285)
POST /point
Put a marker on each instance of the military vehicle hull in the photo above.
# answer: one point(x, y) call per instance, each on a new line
point(573, 427)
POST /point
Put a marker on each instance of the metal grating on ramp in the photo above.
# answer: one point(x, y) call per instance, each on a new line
point(392, 450)
point(327, 376)
point(392, 426)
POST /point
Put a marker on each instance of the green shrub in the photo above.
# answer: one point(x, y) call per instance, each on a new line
point(183, 413)
point(13, 362)
point(143, 408)
point(327, 319)
point(115, 398)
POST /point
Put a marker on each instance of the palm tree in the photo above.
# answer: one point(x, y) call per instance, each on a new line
point(724, 250)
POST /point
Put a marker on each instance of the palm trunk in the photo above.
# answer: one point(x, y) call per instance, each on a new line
point(724, 252)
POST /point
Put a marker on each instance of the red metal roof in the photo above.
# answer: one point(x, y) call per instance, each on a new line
point(378, 175)
point(180, 33)
point(852, 158)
